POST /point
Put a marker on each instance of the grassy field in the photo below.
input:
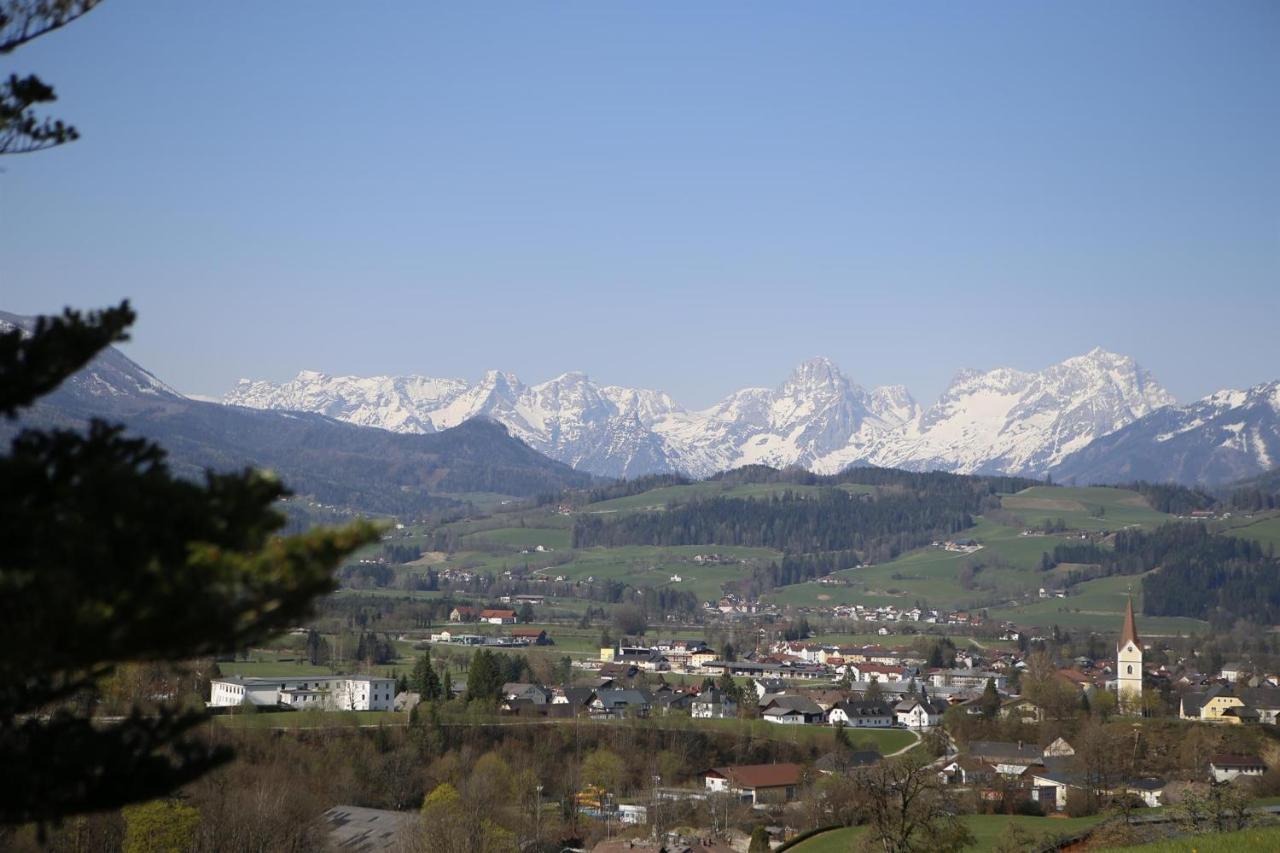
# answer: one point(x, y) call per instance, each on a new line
point(1263, 528)
point(524, 537)
point(986, 830)
point(932, 575)
point(1099, 604)
point(646, 566)
point(1089, 508)
point(1260, 839)
point(1011, 568)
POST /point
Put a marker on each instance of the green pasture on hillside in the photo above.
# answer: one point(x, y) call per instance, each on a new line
point(1083, 508)
point(1263, 528)
point(524, 537)
point(1011, 564)
point(1099, 605)
point(650, 566)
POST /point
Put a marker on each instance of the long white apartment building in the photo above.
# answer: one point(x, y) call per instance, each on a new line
point(309, 692)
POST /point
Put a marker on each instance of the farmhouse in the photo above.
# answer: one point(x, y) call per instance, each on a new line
point(1009, 759)
point(1228, 767)
point(498, 617)
point(757, 783)
point(530, 636)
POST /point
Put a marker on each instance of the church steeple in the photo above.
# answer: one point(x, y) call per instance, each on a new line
point(1129, 664)
point(1129, 634)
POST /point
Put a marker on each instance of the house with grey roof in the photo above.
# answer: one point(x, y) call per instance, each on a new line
point(792, 710)
point(620, 702)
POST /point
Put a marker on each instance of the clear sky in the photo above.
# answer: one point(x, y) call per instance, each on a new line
point(687, 196)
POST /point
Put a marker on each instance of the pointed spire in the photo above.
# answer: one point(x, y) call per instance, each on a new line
point(1130, 630)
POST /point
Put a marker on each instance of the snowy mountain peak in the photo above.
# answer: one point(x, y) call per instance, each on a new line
point(819, 373)
point(1228, 435)
point(996, 420)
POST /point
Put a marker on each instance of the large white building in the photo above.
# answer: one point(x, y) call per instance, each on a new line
point(319, 692)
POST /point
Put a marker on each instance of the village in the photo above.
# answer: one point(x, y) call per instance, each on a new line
point(950, 717)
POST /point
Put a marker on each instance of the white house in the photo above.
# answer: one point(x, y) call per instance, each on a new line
point(919, 713)
point(861, 714)
point(319, 692)
point(868, 672)
point(1228, 767)
point(1149, 790)
point(791, 710)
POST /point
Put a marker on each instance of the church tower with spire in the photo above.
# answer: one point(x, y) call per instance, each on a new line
point(1129, 664)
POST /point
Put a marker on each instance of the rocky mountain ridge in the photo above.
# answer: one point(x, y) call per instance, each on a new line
point(1001, 420)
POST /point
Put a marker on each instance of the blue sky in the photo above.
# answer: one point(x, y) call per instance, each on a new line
point(692, 197)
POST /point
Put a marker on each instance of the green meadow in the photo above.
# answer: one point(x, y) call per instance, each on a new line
point(986, 831)
point(1263, 528)
point(932, 574)
point(1083, 508)
point(1099, 604)
point(649, 566)
point(524, 537)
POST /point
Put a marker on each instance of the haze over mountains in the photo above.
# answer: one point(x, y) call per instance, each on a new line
point(1001, 420)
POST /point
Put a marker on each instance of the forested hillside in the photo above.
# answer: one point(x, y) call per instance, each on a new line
point(1200, 574)
point(905, 510)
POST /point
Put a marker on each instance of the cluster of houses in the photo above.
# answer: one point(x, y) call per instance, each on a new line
point(1048, 775)
point(1225, 702)
point(959, 545)
point(886, 614)
point(515, 637)
point(775, 702)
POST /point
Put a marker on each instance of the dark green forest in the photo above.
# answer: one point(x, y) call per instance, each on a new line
point(905, 510)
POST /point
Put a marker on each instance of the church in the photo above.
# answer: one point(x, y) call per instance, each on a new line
point(1129, 665)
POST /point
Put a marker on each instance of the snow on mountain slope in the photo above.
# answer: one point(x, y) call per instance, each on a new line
point(1002, 420)
point(396, 403)
point(111, 374)
point(1014, 422)
point(1226, 436)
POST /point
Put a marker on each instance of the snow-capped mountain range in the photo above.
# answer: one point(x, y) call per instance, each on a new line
point(1227, 436)
point(1001, 420)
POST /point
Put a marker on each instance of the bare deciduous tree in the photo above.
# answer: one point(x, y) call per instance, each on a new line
point(908, 810)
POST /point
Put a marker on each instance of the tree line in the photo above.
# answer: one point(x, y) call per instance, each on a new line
point(833, 520)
